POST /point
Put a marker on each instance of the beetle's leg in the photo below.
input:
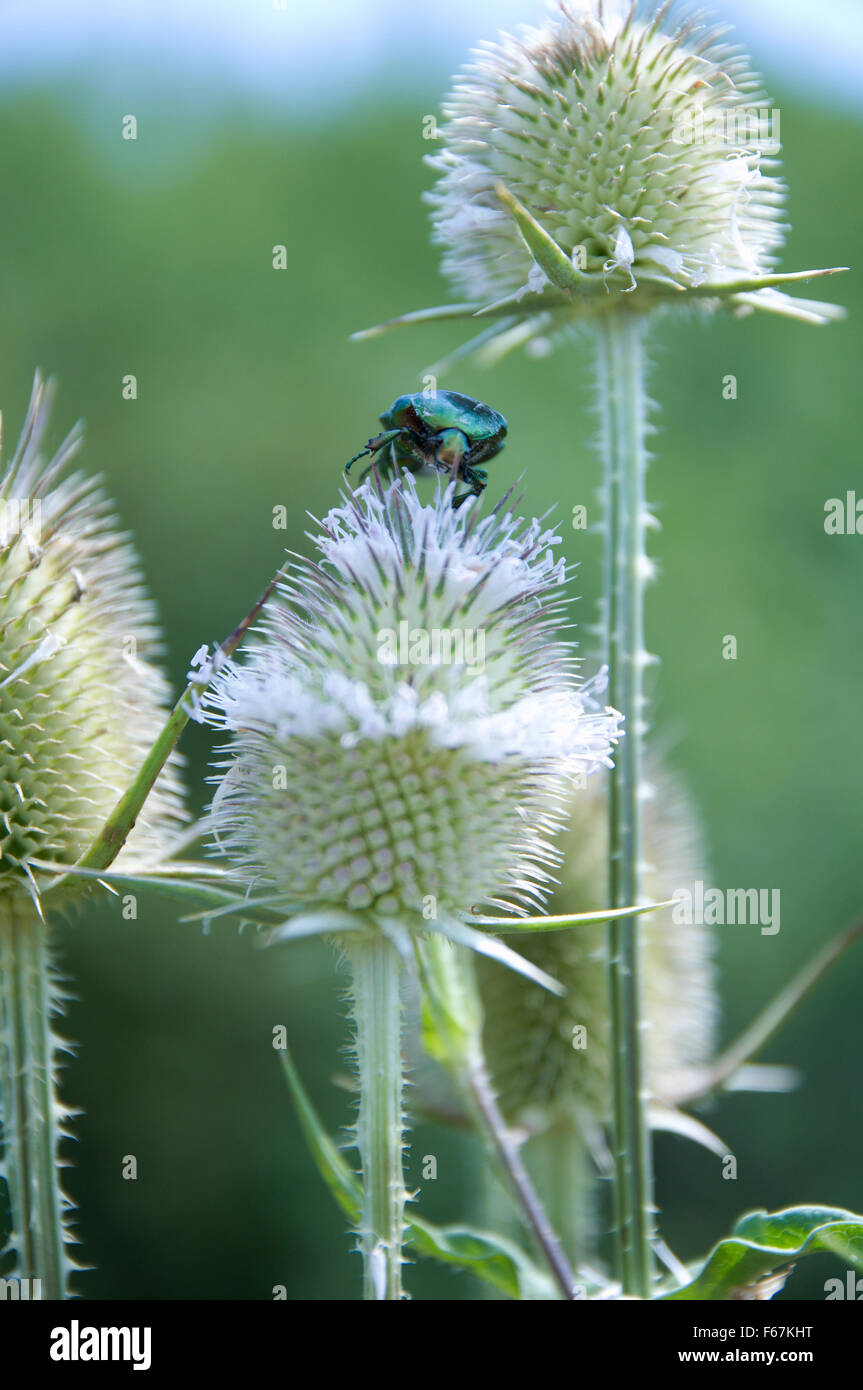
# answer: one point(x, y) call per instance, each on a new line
point(379, 442)
point(450, 448)
point(386, 438)
point(476, 480)
point(360, 455)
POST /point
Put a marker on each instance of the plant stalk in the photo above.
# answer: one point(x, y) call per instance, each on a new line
point(561, 1166)
point(29, 1107)
point(623, 404)
point(377, 1011)
point(507, 1148)
point(452, 999)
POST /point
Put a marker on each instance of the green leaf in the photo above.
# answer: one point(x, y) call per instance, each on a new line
point(327, 922)
point(333, 1168)
point(734, 1060)
point(486, 945)
point(578, 919)
point(435, 315)
point(525, 303)
point(493, 1259)
point(451, 1009)
point(815, 311)
point(762, 1243)
point(761, 282)
point(178, 882)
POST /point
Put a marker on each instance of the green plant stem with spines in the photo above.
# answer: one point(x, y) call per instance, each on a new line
point(623, 404)
point(29, 1108)
point(377, 1012)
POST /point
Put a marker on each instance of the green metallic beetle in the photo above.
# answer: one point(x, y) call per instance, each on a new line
point(438, 431)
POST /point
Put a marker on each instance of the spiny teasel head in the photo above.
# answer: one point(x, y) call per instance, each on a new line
point(81, 699)
point(547, 1072)
point(621, 156)
point(402, 734)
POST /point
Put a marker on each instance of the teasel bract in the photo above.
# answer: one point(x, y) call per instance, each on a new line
point(81, 700)
point(377, 793)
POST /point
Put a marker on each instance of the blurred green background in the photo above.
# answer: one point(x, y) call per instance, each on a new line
point(154, 257)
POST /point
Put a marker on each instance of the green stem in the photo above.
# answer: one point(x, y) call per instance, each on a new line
point(452, 999)
point(117, 828)
point(29, 1107)
point(561, 1166)
point(378, 1016)
point(624, 406)
point(507, 1149)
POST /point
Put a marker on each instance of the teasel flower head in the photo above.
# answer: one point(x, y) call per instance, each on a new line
point(550, 1057)
point(81, 699)
point(403, 735)
point(619, 157)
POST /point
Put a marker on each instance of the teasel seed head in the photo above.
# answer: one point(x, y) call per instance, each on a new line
point(619, 158)
point(81, 698)
point(366, 774)
point(585, 121)
point(546, 1071)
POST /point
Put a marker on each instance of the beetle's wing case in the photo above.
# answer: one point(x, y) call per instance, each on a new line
point(473, 417)
point(431, 412)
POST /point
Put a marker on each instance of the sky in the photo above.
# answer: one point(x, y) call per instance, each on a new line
point(292, 51)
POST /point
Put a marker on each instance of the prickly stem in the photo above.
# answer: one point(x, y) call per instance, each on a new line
point(377, 1012)
point(31, 1113)
point(623, 406)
